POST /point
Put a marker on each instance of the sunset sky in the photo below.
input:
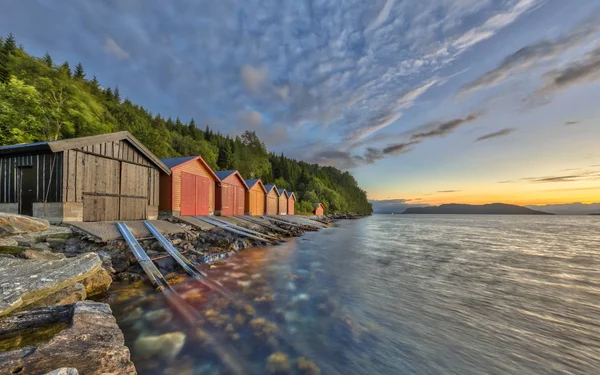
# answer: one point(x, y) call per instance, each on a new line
point(425, 102)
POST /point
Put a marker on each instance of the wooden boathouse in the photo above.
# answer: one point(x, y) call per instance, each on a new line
point(319, 209)
point(291, 201)
point(98, 178)
point(231, 193)
point(271, 199)
point(255, 198)
point(282, 203)
point(190, 188)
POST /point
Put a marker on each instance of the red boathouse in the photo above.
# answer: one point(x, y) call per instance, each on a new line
point(231, 193)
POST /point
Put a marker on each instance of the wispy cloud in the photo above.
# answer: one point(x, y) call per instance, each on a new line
point(448, 191)
point(572, 122)
point(581, 175)
point(499, 133)
point(531, 56)
point(114, 49)
point(444, 128)
point(584, 70)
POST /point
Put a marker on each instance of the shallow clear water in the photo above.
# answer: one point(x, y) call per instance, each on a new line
point(394, 295)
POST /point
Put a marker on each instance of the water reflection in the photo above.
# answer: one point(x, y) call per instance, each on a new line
point(387, 295)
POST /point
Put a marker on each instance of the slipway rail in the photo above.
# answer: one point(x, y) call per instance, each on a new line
point(238, 227)
point(297, 225)
point(156, 278)
point(263, 224)
point(305, 221)
point(232, 230)
point(231, 360)
point(184, 262)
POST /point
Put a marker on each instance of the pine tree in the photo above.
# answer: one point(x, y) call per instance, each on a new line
point(10, 45)
point(65, 68)
point(79, 72)
point(225, 160)
point(117, 95)
point(4, 72)
point(47, 59)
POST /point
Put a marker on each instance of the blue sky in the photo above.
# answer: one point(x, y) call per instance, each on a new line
point(424, 101)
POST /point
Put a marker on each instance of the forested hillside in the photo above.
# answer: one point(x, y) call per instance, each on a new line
point(43, 100)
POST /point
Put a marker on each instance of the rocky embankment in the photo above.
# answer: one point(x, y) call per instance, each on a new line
point(48, 272)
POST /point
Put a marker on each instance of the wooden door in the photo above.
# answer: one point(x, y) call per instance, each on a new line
point(134, 192)
point(188, 194)
point(27, 178)
point(202, 195)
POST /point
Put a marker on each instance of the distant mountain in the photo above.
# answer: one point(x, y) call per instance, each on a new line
point(467, 209)
point(575, 208)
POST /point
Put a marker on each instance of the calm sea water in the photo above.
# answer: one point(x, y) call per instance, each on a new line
point(395, 295)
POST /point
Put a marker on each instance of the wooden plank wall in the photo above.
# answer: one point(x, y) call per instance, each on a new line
point(112, 180)
point(48, 170)
point(272, 203)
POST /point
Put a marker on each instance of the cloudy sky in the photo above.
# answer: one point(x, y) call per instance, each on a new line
point(425, 101)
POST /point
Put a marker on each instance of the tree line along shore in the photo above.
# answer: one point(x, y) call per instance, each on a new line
point(42, 100)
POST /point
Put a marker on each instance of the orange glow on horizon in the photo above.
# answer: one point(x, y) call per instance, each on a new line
point(519, 197)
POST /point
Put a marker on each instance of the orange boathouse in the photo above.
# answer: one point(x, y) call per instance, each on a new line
point(319, 209)
point(271, 200)
point(255, 198)
point(190, 189)
point(282, 205)
point(231, 193)
point(291, 200)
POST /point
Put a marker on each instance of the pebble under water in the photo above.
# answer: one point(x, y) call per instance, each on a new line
point(397, 294)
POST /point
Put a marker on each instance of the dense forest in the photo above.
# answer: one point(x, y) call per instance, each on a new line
point(42, 100)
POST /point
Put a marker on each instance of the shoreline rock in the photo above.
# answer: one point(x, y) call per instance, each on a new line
point(92, 343)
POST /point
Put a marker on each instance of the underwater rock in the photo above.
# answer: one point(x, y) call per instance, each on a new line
point(307, 367)
point(278, 363)
point(165, 346)
point(158, 316)
point(239, 319)
point(263, 328)
point(174, 278)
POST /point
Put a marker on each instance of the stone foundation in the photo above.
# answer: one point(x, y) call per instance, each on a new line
point(11, 208)
point(152, 212)
point(72, 211)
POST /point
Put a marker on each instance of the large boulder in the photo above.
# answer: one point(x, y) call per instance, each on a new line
point(24, 281)
point(16, 224)
point(91, 343)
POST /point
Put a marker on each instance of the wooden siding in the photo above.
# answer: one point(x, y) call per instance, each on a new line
point(113, 181)
point(290, 205)
point(255, 201)
point(272, 202)
point(231, 196)
point(320, 210)
point(48, 169)
point(282, 210)
point(195, 168)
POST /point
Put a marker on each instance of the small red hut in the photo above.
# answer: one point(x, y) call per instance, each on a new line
point(319, 209)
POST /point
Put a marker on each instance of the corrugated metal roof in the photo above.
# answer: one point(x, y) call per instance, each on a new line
point(224, 174)
point(270, 187)
point(73, 143)
point(252, 182)
point(173, 162)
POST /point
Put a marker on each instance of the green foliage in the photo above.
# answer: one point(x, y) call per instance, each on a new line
point(10, 46)
point(42, 101)
point(4, 72)
point(79, 72)
point(48, 60)
point(225, 160)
